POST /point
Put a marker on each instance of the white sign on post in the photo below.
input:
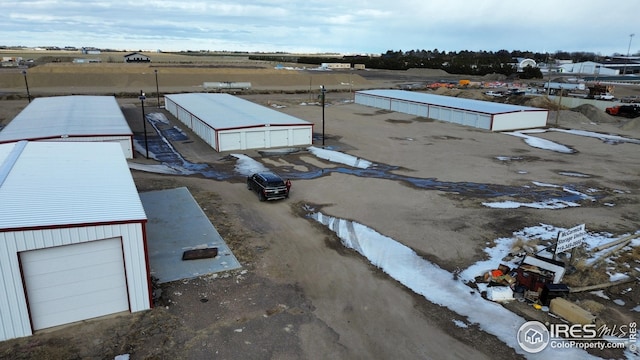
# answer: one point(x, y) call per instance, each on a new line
point(570, 238)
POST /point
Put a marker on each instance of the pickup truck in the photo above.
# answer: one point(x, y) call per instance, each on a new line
point(629, 111)
point(631, 99)
point(604, 96)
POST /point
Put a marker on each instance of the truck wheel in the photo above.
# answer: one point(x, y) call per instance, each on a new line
point(248, 185)
point(261, 196)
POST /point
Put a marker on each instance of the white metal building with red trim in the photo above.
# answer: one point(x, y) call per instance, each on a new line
point(229, 123)
point(72, 236)
point(475, 113)
point(71, 118)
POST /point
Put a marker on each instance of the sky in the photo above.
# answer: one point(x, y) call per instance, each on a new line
point(327, 26)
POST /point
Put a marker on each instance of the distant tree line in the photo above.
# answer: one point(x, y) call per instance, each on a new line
point(454, 62)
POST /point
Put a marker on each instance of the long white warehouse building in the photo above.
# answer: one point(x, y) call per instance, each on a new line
point(475, 113)
point(72, 236)
point(229, 123)
point(71, 118)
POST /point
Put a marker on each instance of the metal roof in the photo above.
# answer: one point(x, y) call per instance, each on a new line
point(225, 111)
point(67, 116)
point(46, 184)
point(486, 107)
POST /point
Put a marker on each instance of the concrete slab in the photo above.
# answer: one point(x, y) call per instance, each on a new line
point(176, 223)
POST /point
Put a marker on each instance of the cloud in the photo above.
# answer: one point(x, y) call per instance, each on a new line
point(321, 26)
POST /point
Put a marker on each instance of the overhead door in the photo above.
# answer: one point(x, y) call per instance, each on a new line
point(279, 138)
point(230, 141)
point(70, 283)
point(256, 139)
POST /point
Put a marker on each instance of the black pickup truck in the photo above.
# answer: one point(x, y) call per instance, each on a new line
point(629, 111)
point(268, 186)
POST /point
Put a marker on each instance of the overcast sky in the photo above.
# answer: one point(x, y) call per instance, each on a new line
point(354, 26)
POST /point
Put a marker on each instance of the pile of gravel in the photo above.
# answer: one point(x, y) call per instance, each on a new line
point(596, 115)
point(633, 124)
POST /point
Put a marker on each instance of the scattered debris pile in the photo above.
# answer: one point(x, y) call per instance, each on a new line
point(536, 280)
point(550, 277)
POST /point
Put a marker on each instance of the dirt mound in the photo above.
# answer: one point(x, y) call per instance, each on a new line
point(494, 77)
point(465, 94)
point(448, 92)
point(474, 95)
point(428, 72)
point(633, 124)
point(594, 114)
point(567, 118)
point(542, 102)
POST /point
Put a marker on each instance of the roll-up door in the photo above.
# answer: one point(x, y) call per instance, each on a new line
point(75, 282)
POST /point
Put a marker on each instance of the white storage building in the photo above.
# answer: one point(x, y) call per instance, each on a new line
point(476, 113)
point(229, 123)
point(72, 236)
point(71, 118)
point(589, 68)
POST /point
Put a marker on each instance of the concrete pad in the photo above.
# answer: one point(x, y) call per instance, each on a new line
point(176, 223)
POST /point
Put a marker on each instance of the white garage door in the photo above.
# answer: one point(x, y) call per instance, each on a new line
point(279, 138)
point(256, 139)
point(74, 282)
point(230, 141)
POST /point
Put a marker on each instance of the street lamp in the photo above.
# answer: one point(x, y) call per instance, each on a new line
point(323, 91)
point(144, 122)
point(26, 84)
point(157, 91)
point(624, 70)
point(350, 82)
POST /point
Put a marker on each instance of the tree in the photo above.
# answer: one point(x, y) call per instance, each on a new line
point(530, 72)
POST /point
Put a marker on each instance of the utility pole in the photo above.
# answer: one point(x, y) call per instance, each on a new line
point(157, 89)
point(26, 84)
point(144, 122)
point(624, 70)
point(323, 91)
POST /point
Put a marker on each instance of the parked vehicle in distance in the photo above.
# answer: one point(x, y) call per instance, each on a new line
point(629, 111)
point(494, 93)
point(631, 99)
point(604, 96)
point(268, 186)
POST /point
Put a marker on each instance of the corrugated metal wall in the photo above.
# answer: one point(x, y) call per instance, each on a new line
point(199, 127)
point(13, 304)
point(493, 122)
point(264, 137)
point(457, 116)
point(259, 137)
point(519, 120)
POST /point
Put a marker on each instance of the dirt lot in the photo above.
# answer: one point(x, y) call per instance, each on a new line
point(300, 293)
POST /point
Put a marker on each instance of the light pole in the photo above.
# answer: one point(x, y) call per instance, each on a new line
point(350, 82)
point(323, 91)
point(624, 70)
point(26, 84)
point(144, 123)
point(157, 91)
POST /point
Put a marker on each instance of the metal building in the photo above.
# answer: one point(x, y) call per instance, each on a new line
point(71, 118)
point(475, 113)
point(229, 123)
point(72, 236)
